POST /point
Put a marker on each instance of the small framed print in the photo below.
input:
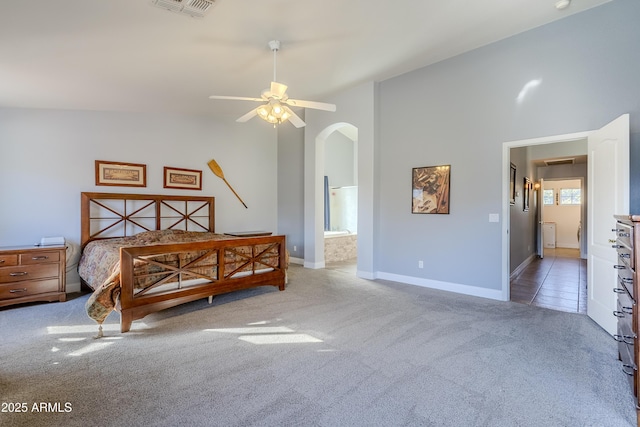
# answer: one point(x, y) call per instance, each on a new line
point(188, 179)
point(430, 190)
point(121, 174)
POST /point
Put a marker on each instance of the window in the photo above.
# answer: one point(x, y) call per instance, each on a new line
point(569, 196)
point(547, 197)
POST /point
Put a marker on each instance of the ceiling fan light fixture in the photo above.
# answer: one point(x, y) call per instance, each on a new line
point(273, 112)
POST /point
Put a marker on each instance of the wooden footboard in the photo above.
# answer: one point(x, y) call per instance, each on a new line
point(161, 276)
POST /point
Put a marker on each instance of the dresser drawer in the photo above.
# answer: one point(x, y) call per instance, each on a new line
point(625, 283)
point(625, 255)
point(23, 289)
point(624, 235)
point(626, 343)
point(39, 257)
point(28, 272)
point(626, 306)
point(8, 260)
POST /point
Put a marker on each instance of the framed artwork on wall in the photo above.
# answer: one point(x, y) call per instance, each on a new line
point(188, 179)
point(512, 185)
point(526, 191)
point(121, 174)
point(430, 190)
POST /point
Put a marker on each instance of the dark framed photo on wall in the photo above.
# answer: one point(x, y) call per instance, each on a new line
point(526, 193)
point(430, 190)
point(512, 185)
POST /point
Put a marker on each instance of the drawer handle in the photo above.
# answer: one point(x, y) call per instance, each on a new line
point(628, 310)
point(618, 313)
point(15, 291)
point(18, 273)
point(619, 291)
point(617, 246)
point(1, 261)
point(624, 255)
point(40, 258)
point(619, 267)
point(624, 235)
point(617, 230)
point(632, 367)
point(626, 280)
point(624, 338)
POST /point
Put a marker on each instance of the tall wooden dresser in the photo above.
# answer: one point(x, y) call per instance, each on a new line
point(628, 244)
point(31, 273)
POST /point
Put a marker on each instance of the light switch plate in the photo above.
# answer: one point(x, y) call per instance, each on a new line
point(494, 217)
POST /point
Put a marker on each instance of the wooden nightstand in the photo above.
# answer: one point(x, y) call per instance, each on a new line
point(32, 273)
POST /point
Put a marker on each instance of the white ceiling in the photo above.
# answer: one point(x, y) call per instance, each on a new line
point(128, 55)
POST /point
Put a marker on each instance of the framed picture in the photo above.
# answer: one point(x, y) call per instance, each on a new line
point(430, 192)
point(121, 174)
point(188, 179)
point(512, 185)
point(526, 191)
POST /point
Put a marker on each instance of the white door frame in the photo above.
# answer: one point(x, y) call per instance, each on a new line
point(506, 226)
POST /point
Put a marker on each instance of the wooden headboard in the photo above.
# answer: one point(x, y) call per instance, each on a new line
point(109, 215)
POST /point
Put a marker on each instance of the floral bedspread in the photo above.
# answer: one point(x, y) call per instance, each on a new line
point(99, 265)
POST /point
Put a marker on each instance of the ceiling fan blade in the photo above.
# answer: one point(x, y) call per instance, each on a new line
point(311, 104)
point(235, 98)
point(294, 118)
point(278, 89)
point(251, 114)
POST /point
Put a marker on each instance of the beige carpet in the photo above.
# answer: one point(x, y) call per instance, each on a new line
point(331, 350)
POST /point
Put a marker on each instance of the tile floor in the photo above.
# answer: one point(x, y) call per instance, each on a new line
point(558, 282)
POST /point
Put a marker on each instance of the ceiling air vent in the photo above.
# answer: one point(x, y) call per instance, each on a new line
point(193, 8)
point(557, 162)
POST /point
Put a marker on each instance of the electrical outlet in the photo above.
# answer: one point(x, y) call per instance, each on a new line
point(295, 248)
point(420, 264)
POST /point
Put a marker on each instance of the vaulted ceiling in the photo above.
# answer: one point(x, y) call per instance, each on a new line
point(127, 55)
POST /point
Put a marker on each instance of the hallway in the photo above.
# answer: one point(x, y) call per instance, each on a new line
point(558, 282)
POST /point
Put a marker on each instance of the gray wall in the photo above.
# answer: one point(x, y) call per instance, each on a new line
point(461, 111)
point(291, 186)
point(522, 223)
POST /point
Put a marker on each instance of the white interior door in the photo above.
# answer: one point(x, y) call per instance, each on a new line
point(540, 215)
point(608, 178)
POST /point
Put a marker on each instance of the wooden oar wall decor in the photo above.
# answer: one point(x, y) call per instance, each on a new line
point(217, 170)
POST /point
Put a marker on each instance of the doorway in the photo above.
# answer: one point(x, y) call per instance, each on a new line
point(554, 276)
point(339, 168)
point(607, 193)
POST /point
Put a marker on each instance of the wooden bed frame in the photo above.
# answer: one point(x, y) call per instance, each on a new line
point(110, 215)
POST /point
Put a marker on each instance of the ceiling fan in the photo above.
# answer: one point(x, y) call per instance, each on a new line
point(276, 102)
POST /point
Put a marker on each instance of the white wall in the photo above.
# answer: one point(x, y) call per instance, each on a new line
point(566, 217)
point(47, 158)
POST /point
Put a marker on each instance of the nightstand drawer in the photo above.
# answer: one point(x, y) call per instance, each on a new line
point(23, 289)
point(28, 272)
point(39, 258)
point(8, 260)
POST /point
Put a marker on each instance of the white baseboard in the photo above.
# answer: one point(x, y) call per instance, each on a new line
point(567, 245)
point(314, 265)
point(476, 291)
point(522, 266)
point(72, 287)
point(365, 275)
